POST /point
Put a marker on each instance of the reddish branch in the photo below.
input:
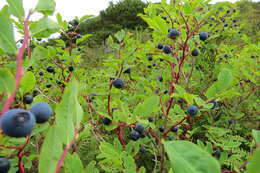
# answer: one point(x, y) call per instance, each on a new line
point(109, 99)
point(19, 67)
point(120, 134)
point(66, 151)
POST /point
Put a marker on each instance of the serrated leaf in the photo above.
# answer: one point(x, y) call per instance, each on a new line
point(44, 27)
point(51, 150)
point(7, 82)
point(73, 164)
point(46, 7)
point(69, 112)
point(149, 106)
point(186, 157)
point(7, 42)
point(16, 8)
point(28, 82)
point(225, 79)
point(256, 135)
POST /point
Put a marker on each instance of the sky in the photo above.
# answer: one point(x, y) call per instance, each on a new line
point(71, 8)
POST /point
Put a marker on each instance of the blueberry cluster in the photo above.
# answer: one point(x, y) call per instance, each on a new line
point(137, 133)
point(20, 123)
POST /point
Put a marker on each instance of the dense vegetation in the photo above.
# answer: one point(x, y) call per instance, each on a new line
point(166, 87)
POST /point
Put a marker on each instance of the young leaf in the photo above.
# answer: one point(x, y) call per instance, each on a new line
point(46, 7)
point(7, 42)
point(16, 8)
point(186, 157)
point(28, 82)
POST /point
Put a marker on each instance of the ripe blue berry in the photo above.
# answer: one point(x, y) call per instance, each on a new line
point(4, 165)
point(27, 99)
point(50, 69)
point(142, 149)
point(161, 129)
point(42, 112)
point(150, 119)
point(127, 71)
point(118, 83)
point(17, 123)
point(173, 33)
point(139, 128)
point(195, 52)
point(215, 104)
point(174, 129)
point(106, 121)
point(150, 58)
point(160, 46)
point(167, 49)
point(192, 110)
point(71, 68)
point(134, 135)
point(204, 36)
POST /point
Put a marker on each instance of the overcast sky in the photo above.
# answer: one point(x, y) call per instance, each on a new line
point(71, 8)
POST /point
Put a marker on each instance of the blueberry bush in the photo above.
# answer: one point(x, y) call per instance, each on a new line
point(183, 100)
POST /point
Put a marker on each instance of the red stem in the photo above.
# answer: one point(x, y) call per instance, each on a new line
point(19, 68)
point(109, 99)
point(66, 151)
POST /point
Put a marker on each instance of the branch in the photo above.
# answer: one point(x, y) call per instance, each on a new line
point(19, 67)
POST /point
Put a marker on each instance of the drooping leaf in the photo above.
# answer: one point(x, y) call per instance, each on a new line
point(186, 157)
point(46, 7)
point(7, 42)
point(44, 27)
point(16, 8)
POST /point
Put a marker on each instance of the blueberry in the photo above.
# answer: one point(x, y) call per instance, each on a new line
point(203, 36)
point(160, 46)
point(50, 69)
point(48, 86)
point(215, 104)
point(232, 121)
point(170, 138)
point(160, 79)
point(139, 128)
point(165, 92)
point(27, 99)
point(79, 49)
point(217, 154)
point(118, 83)
point(42, 112)
point(167, 49)
point(93, 94)
point(154, 65)
point(150, 119)
point(106, 121)
point(149, 66)
point(114, 109)
point(228, 11)
point(142, 149)
point(134, 135)
point(4, 165)
point(195, 52)
point(161, 59)
point(174, 129)
point(192, 110)
point(17, 123)
point(71, 68)
point(41, 73)
point(226, 56)
point(150, 58)
point(173, 33)
point(164, 17)
point(225, 25)
point(161, 129)
point(127, 71)
point(181, 101)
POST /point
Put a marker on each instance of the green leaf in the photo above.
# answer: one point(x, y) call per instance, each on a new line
point(83, 18)
point(225, 79)
point(91, 168)
point(28, 82)
point(46, 7)
point(254, 166)
point(187, 8)
point(129, 164)
point(16, 8)
point(44, 27)
point(73, 164)
point(149, 106)
point(120, 35)
point(7, 82)
point(256, 135)
point(69, 112)
point(83, 38)
point(186, 157)
point(7, 42)
point(51, 150)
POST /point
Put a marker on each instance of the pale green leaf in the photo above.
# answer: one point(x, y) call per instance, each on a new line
point(16, 8)
point(46, 7)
